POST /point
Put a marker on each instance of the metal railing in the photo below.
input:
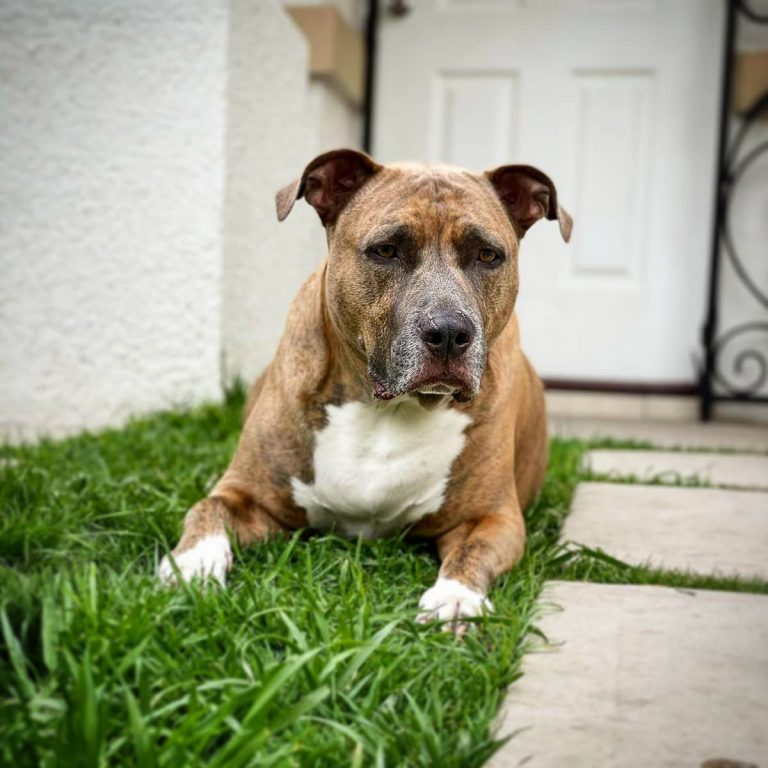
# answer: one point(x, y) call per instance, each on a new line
point(745, 379)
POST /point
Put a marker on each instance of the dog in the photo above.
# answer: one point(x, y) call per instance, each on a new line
point(399, 398)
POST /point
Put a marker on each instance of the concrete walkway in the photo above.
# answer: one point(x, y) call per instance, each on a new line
point(703, 530)
point(636, 676)
point(732, 469)
point(641, 677)
point(666, 434)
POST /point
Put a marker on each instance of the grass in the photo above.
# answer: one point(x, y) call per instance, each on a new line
point(311, 657)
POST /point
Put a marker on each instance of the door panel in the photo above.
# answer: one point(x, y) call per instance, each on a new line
point(460, 100)
point(617, 101)
point(613, 119)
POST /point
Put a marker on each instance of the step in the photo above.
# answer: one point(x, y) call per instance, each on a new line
point(732, 469)
point(666, 434)
point(639, 676)
point(704, 530)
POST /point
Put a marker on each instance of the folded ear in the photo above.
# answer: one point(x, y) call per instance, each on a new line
point(328, 183)
point(528, 195)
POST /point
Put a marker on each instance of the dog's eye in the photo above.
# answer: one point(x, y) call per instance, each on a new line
point(488, 256)
point(384, 251)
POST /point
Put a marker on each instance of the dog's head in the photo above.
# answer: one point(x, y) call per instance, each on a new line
point(422, 274)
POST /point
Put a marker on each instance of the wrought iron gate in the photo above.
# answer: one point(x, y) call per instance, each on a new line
point(746, 378)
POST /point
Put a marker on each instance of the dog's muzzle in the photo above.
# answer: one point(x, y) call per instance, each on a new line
point(440, 354)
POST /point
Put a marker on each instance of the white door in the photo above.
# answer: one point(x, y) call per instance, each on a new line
point(617, 100)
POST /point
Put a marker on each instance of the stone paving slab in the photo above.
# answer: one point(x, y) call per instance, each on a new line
point(641, 677)
point(704, 530)
point(735, 469)
point(665, 434)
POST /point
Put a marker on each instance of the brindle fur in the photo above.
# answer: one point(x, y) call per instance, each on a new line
point(343, 322)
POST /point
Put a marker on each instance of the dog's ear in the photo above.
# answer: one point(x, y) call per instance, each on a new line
point(528, 195)
point(328, 183)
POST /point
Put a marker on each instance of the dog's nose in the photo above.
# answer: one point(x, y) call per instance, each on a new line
point(447, 335)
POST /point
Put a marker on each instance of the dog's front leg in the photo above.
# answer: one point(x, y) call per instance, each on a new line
point(204, 551)
point(473, 555)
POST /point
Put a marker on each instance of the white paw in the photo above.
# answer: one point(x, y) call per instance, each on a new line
point(450, 601)
point(211, 557)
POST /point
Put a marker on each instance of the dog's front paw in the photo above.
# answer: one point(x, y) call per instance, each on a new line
point(450, 601)
point(209, 558)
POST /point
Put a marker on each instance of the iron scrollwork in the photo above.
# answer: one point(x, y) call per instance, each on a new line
point(747, 375)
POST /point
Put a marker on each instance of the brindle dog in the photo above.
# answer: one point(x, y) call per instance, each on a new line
point(399, 397)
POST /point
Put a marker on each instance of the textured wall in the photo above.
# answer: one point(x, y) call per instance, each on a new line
point(277, 122)
point(337, 124)
point(141, 143)
point(270, 137)
point(112, 142)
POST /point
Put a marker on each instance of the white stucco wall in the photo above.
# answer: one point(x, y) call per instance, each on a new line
point(112, 147)
point(278, 120)
point(141, 144)
point(337, 123)
point(270, 137)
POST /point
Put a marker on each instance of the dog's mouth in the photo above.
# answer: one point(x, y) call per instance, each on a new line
point(431, 381)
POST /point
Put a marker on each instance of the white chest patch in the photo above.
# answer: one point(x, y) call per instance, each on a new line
point(380, 467)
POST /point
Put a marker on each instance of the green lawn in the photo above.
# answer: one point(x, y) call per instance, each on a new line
point(311, 657)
